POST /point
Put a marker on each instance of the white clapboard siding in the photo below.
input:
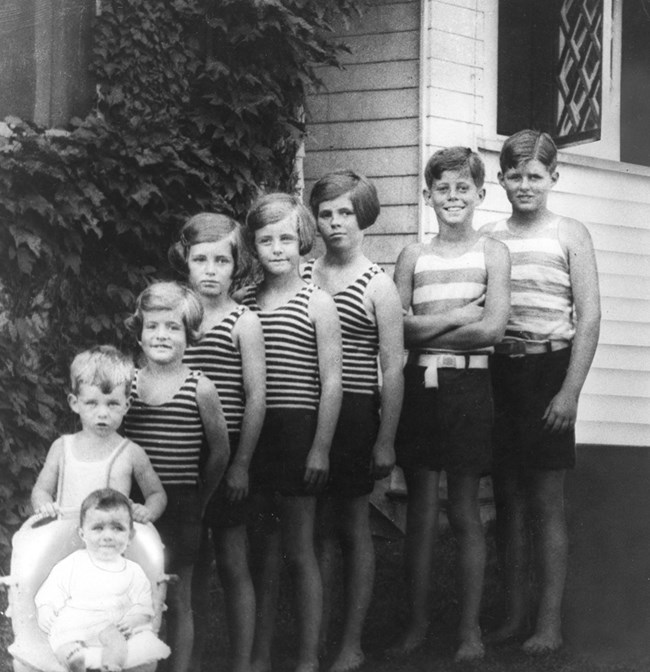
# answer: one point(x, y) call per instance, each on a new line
point(366, 117)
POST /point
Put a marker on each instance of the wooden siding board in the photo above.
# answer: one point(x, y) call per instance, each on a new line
point(370, 76)
point(604, 406)
point(625, 333)
point(381, 47)
point(445, 104)
point(635, 265)
point(451, 48)
point(621, 286)
point(370, 105)
point(626, 358)
point(618, 383)
point(402, 191)
point(625, 309)
point(371, 162)
point(457, 19)
point(382, 18)
point(363, 134)
point(606, 432)
point(455, 76)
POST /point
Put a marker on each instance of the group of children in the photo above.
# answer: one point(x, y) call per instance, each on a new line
point(257, 423)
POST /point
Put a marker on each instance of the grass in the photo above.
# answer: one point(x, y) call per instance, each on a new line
point(387, 614)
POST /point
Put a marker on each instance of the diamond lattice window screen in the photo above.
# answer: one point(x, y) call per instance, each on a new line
point(579, 74)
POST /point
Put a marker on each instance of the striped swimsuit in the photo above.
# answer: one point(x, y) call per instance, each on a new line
point(219, 359)
point(541, 299)
point(359, 335)
point(170, 433)
point(292, 375)
point(441, 283)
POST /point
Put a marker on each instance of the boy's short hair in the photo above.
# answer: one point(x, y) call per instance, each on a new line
point(528, 145)
point(169, 296)
point(103, 366)
point(363, 195)
point(105, 499)
point(209, 227)
point(273, 208)
point(455, 158)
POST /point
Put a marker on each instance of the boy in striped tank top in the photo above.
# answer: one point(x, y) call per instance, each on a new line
point(212, 255)
point(457, 290)
point(173, 411)
point(538, 372)
point(344, 205)
point(302, 341)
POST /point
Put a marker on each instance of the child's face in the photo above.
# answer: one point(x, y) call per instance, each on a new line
point(100, 412)
point(278, 247)
point(338, 224)
point(163, 340)
point(454, 197)
point(527, 185)
point(211, 266)
point(106, 533)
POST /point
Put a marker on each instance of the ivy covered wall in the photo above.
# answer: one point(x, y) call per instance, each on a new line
point(199, 108)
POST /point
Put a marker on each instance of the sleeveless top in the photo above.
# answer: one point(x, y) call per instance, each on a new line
point(443, 283)
point(219, 359)
point(359, 335)
point(292, 376)
point(170, 433)
point(541, 295)
point(78, 478)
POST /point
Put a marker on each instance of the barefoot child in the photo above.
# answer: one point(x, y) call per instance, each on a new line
point(212, 254)
point(303, 396)
point(344, 205)
point(173, 410)
point(538, 371)
point(95, 601)
point(457, 287)
point(97, 456)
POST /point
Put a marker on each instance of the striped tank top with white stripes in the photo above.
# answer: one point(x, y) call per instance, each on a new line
point(359, 335)
point(218, 357)
point(292, 376)
point(541, 295)
point(170, 433)
point(444, 283)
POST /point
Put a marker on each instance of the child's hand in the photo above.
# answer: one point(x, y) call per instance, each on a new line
point(130, 623)
point(236, 483)
point(48, 510)
point(383, 459)
point(472, 312)
point(141, 513)
point(561, 413)
point(316, 469)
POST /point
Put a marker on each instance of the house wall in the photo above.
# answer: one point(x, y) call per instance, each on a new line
point(46, 46)
point(366, 117)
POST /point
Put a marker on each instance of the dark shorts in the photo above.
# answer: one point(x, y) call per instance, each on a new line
point(447, 428)
point(180, 526)
point(351, 452)
point(221, 512)
point(523, 388)
point(281, 454)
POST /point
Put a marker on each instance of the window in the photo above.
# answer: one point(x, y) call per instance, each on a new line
point(635, 82)
point(550, 68)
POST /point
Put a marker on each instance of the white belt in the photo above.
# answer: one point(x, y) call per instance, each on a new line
point(448, 361)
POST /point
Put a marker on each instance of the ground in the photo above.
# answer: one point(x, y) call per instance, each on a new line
point(386, 615)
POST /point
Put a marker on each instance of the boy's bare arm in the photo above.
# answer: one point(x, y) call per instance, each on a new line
point(562, 411)
point(388, 313)
point(420, 328)
point(155, 499)
point(489, 329)
point(216, 434)
point(44, 490)
point(323, 313)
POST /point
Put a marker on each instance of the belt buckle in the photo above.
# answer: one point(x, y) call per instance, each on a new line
point(447, 362)
point(517, 349)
